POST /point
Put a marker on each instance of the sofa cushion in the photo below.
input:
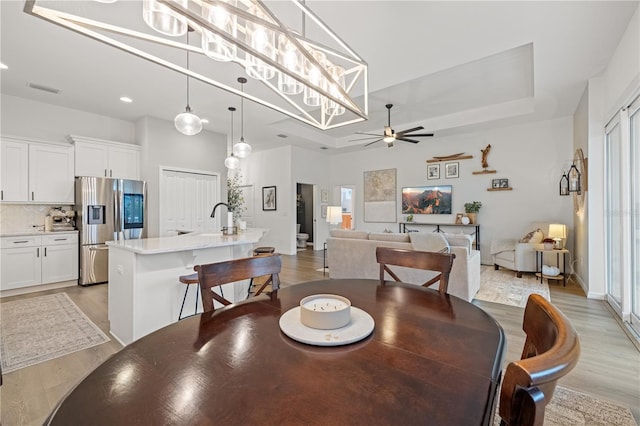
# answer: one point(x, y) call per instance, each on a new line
point(429, 241)
point(346, 233)
point(534, 237)
point(386, 236)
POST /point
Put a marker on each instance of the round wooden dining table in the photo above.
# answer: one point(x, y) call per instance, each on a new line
point(431, 359)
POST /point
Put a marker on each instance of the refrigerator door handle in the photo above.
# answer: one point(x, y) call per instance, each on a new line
point(97, 248)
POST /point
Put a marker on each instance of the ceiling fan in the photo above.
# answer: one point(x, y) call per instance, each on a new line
point(389, 135)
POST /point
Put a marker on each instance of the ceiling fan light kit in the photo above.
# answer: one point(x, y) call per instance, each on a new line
point(323, 84)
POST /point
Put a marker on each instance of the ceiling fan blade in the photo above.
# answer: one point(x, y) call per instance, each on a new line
point(363, 139)
point(372, 134)
point(410, 130)
point(371, 143)
point(408, 140)
point(420, 135)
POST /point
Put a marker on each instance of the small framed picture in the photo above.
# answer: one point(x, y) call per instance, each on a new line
point(504, 183)
point(324, 196)
point(268, 198)
point(459, 218)
point(495, 183)
point(433, 171)
point(451, 170)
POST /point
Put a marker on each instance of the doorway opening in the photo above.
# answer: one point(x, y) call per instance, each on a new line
point(304, 215)
point(347, 202)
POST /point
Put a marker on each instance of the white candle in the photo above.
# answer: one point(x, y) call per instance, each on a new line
point(325, 304)
point(230, 220)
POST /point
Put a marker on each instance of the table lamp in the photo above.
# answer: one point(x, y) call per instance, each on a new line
point(334, 215)
point(558, 232)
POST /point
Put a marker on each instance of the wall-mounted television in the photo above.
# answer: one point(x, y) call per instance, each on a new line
point(426, 199)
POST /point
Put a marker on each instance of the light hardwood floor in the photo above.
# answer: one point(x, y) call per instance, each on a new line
point(609, 366)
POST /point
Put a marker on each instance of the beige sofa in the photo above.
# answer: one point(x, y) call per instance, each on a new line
point(352, 254)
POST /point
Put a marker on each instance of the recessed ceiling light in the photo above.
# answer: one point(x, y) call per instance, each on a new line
point(204, 120)
point(3, 66)
point(126, 99)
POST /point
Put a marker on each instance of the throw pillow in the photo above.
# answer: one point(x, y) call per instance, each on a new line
point(429, 241)
point(533, 237)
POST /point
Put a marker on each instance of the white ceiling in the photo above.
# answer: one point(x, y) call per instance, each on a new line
point(448, 66)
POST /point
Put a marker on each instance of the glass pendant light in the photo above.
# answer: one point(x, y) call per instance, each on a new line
point(574, 179)
point(291, 58)
point(311, 97)
point(242, 149)
point(187, 122)
point(332, 107)
point(231, 162)
point(162, 19)
point(213, 45)
point(262, 40)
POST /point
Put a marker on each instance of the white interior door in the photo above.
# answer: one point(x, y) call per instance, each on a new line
point(186, 200)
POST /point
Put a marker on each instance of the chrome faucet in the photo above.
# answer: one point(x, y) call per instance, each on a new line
point(213, 213)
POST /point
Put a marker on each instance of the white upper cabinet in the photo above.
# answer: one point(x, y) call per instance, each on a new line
point(100, 158)
point(37, 172)
point(51, 174)
point(15, 171)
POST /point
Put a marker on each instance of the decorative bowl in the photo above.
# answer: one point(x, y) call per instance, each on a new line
point(325, 311)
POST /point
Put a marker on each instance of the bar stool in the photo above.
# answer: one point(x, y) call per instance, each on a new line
point(257, 252)
point(188, 280)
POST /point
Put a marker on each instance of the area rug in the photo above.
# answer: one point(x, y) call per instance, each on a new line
point(42, 328)
point(572, 408)
point(502, 286)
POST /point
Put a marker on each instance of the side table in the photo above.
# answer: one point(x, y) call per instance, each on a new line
point(563, 276)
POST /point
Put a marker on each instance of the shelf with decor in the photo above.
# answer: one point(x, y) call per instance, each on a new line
point(500, 189)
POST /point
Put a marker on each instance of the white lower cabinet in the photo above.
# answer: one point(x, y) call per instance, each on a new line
point(33, 260)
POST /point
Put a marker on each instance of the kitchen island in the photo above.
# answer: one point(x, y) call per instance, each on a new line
point(144, 292)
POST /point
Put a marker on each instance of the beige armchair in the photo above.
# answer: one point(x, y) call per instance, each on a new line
point(516, 255)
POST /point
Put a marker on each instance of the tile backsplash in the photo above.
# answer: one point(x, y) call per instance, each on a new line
point(23, 217)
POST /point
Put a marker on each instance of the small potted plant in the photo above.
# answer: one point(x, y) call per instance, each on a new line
point(410, 218)
point(471, 209)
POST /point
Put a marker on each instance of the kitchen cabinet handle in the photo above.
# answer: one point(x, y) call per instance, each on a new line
point(59, 239)
point(32, 196)
point(2, 195)
point(45, 252)
point(38, 252)
point(111, 173)
point(21, 242)
point(105, 172)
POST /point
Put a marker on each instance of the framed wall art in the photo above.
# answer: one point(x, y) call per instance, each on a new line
point(433, 171)
point(451, 170)
point(268, 198)
point(380, 196)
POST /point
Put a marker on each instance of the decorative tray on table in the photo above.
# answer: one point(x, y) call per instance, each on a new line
point(326, 320)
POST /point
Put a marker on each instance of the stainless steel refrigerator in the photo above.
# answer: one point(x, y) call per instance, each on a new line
point(108, 210)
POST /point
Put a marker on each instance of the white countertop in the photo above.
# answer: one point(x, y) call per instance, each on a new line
point(184, 242)
point(29, 232)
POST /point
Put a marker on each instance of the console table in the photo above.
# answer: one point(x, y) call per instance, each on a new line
point(402, 227)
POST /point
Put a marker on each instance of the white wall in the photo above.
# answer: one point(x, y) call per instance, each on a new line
point(580, 221)
point(311, 167)
point(163, 145)
point(531, 156)
point(273, 168)
point(608, 93)
point(38, 120)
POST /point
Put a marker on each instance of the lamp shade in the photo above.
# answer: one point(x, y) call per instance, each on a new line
point(334, 215)
point(557, 230)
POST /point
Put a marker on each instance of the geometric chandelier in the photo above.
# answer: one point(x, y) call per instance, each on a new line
point(323, 83)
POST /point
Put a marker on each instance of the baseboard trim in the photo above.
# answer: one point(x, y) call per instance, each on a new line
point(37, 288)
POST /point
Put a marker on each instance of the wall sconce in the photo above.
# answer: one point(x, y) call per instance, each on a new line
point(574, 179)
point(564, 184)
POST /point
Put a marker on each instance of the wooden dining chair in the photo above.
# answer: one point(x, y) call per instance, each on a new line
point(217, 274)
point(551, 350)
point(431, 261)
